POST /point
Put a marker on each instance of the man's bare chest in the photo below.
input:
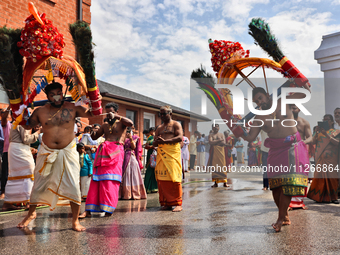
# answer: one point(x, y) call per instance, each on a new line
point(167, 129)
point(62, 116)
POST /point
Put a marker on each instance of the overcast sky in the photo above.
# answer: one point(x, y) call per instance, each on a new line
point(151, 47)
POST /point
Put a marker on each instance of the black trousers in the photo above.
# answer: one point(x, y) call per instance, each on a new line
point(4, 171)
point(192, 161)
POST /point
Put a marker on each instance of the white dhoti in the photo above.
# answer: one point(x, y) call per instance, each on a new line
point(185, 164)
point(84, 185)
point(20, 173)
point(200, 159)
point(206, 158)
point(56, 175)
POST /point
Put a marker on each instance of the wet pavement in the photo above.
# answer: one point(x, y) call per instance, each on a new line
point(214, 221)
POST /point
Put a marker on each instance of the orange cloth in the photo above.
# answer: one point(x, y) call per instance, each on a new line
point(170, 193)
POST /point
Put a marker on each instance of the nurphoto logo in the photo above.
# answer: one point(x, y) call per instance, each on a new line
point(238, 100)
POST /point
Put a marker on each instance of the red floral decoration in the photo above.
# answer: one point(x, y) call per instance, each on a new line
point(39, 40)
point(222, 50)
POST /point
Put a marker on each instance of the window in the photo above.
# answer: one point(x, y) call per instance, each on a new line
point(182, 123)
point(131, 115)
point(147, 124)
point(149, 120)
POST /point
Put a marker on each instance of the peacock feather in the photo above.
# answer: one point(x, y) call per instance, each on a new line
point(206, 83)
point(263, 37)
point(82, 39)
point(11, 62)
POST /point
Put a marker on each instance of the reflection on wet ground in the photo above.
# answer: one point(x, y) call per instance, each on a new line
point(214, 220)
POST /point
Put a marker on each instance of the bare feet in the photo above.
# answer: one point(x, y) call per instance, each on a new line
point(303, 207)
point(27, 220)
point(166, 208)
point(2, 196)
point(215, 185)
point(84, 215)
point(226, 185)
point(265, 188)
point(108, 214)
point(77, 227)
point(9, 207)
point(286, 221)
point(277, 226)
point(177, 209)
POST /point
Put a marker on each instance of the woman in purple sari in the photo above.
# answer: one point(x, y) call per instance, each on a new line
point(132, 186)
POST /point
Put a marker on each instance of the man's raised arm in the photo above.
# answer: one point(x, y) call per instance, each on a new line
point(300, 95)
point(253, 133)
point(99, 133)
point(125, 121)
point(33, 121)
point(83, 112)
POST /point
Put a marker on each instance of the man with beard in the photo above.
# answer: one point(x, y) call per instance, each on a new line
point(306, 135)
point(287, 155)
point(217, 157)
point(107, 167)
point(337, 118)
point(168, 169)
point(56, 173)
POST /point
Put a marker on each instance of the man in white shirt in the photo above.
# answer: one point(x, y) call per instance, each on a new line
point(193, 150)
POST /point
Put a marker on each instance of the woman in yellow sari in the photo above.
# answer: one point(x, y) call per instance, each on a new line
point(324, 187)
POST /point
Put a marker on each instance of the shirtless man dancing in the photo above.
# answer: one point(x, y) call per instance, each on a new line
point(285, 147)
point(168, 169)
point(57, 169)
point(108, 164)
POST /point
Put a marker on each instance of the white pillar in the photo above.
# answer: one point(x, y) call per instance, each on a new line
point(328, 56)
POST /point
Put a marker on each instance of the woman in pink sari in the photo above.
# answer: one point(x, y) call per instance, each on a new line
point(132, 186)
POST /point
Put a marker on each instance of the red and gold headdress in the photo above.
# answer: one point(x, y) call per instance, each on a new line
point(41, 44)
point(229, 59)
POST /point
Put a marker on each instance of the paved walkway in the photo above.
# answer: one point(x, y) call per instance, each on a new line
point(236, 220)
